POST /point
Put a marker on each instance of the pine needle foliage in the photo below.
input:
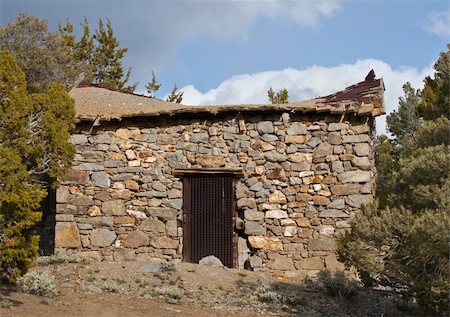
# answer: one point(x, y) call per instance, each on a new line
point(402, 240)
point(34, 152)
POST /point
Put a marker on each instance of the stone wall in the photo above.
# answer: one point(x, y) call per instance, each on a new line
point(304, 176)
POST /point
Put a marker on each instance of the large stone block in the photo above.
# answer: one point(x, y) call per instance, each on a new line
point(82, 201)
point(67, 235)
point(265, 243)
point(323, 244)
point(322, 150)
point(361, 149)
point(358, 200)
point(276, 214)
point(114, 208)
point(283, 263)
point(78, 139)
point(76, 177)
point(277, 197)
point(62, 195)
point(246, 202)
point(254, 228)
point(333, 213)
point(162, 213)
point(333, 264)
point(314, 263)
point(297, 128)
point(153, 226)
point(253, 215)
point(100, 179)
point(102, 237)
point(136, 239)
point(346, 189)
point(264, 127)
point(362, 163)
point(210, 161)
point(359, 138)
point(164, 243)
point(355, 177)
point(295, 139)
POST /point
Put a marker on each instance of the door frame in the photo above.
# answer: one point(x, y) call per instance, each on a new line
point(186, 174)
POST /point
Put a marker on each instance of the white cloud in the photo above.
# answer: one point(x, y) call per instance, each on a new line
point(308, 83)
point(438, 23)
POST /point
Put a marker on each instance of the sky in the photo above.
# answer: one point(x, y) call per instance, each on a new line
point(231, 52)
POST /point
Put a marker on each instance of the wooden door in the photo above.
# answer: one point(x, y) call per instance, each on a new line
point(208, 208)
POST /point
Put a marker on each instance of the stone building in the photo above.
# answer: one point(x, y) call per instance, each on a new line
point(258, 186)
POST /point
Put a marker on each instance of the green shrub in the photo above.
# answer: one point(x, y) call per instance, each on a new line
point(338, 284)
point(37, 283)
point(6, 303)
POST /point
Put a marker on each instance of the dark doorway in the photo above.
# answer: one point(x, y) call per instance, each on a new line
point(208, 210)
point(46, 227)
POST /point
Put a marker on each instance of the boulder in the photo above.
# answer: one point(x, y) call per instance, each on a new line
point(153, 226)
point(114, 208)
point(265, 243)
point(67, 235)
point(210, 260)
point(264, 127)
point(102, 237)
point(136, 239)
point(100, 179)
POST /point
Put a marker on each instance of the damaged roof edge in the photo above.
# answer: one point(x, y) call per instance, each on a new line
point(94, 103)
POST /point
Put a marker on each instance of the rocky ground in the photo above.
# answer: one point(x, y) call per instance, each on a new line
point(154, 289)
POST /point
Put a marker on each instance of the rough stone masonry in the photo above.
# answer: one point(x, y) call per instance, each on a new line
point(304, 175)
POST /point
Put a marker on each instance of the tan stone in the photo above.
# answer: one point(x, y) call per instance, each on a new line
point(296, 204)
point(136, 239)
point(296, 139)
point(76, 177)
point(164, 243)
point(321, 200)
point(123, 133)
point(88, 256)
point(303, 222)
point(153, 225)
point(304, 233)
point(67, 235)
point(265, 243)
point(302, 197)
point(94, 211)
point(288, 222)
point(314, 263)
point(277, 173)
point(347, 189)
point(333, 264)
point(124, 220)
point(324, 244)
point(210, 161)
point(282, 263)
point(131, 185)
point(277, 197)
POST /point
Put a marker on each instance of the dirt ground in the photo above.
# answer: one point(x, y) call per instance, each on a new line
point(134, 289)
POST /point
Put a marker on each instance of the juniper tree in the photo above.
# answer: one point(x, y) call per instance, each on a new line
point(34, 152)
point(107, 60)
point(42, 55)
point(175, 95)
point(153, 86)
point(281, 96)
point(403, 241)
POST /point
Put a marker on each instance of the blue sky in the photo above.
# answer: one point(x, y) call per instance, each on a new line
point(232, 51)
